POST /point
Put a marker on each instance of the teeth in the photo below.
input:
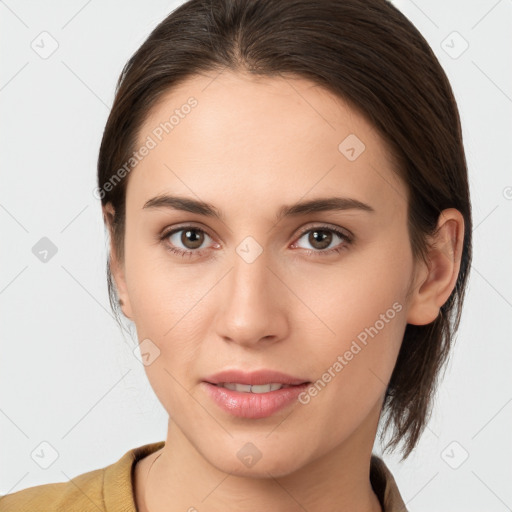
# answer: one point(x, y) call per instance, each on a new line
point(246, 388)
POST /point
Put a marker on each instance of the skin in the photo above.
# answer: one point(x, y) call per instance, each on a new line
point(251, 146)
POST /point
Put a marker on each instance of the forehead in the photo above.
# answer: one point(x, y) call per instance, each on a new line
point(222, 137)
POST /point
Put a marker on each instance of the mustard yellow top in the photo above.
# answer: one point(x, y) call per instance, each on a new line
point(110, 489)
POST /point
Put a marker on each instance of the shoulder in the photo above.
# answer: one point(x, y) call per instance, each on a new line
point(385, 486)
point(102, 490)
point(83, 493)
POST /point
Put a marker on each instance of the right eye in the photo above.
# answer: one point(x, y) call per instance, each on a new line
point(191, 238)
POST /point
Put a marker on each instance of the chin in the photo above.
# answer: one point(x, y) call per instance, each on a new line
point(247, 460)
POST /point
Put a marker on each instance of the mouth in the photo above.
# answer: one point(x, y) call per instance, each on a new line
point(255, 395)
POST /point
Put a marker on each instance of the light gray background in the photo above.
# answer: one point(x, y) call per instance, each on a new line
point(68, 377)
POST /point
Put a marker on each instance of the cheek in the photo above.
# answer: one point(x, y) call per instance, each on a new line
point(353, 294)
point(170, 308)
point(161, 291)
point(363, 305)
point(172, 304)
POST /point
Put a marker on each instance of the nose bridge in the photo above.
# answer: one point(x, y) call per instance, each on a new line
point(250, 274)
point(250, 310)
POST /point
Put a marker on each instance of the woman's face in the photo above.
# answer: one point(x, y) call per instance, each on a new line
point(258, 282)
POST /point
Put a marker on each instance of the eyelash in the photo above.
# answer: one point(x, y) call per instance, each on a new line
point(346, 241)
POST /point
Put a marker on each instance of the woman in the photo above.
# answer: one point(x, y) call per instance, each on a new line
point(285, 189)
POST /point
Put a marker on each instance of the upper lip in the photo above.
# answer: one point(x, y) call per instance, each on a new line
point(254, 378)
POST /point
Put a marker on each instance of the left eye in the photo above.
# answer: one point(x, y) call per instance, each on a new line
point(321, 239)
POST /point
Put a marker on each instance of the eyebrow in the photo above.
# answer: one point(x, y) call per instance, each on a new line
point(303, 208)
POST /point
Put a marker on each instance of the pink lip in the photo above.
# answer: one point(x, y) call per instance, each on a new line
point(253, 405)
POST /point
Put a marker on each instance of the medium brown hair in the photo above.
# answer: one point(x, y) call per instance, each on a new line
point(369, 54)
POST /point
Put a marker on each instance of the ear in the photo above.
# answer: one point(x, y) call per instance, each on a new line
point(435, 281)
point(116, 265)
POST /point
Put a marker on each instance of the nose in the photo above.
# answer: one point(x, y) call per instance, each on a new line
point(253, 310)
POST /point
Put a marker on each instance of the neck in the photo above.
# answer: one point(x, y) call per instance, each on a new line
point(179, 478)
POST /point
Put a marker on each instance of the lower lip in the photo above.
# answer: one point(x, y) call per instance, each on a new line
point(253, 405)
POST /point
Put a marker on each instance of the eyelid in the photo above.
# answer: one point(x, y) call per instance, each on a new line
point(327, 227)
point(169, 230)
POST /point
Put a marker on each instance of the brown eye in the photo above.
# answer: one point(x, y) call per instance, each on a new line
point(319, 238)
point(186, 240)
point(323, 240)
point(191, 238)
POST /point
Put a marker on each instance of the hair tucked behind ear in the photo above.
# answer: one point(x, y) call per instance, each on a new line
point(367, 53)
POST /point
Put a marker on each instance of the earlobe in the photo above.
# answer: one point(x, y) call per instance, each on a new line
point(116, 266)
point(436, 280)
